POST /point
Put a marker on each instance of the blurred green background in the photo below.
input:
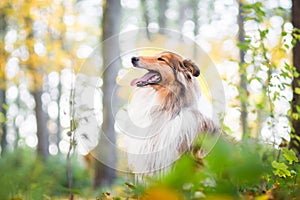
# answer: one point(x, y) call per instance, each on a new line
point(254, 44)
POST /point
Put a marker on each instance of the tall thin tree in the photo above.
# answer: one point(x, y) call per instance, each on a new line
point(243, 80)
point(295, 143)
point(162, 19)
point(104, 175)
point(3, 56)
point(37, 74)
point(146, 17)
point(195, 18)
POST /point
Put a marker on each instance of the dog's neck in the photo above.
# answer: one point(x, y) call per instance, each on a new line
point(170, 98)
point(175, 97)
point(161, 135)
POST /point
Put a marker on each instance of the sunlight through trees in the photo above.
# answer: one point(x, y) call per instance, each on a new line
point(45, 47)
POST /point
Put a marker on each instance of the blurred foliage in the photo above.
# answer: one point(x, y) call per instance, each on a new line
point(40, 44)
point(262, 58)
point(246, 170)
point(25, 177)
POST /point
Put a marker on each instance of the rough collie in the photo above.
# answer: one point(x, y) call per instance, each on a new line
point(164, 114)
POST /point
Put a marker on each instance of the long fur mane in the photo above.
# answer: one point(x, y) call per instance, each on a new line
point(162, 124)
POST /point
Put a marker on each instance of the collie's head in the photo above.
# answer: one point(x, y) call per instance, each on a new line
point(171, 76)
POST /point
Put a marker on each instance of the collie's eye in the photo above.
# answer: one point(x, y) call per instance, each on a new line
point(160, 59)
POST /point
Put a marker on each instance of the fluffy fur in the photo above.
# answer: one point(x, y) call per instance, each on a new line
point(164, 114)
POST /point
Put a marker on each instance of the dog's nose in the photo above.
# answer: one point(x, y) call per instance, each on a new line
point(134, 59)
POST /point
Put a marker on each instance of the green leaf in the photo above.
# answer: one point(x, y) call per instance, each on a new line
point(5, 106)
point(263, 33)
point(295, 116)
point(289, 155)
point(247, 6)
point(280, 169)
point(297, 90)
point(284, 33)
point(242, 46)
point(298, 108)
point(2, 118)
point(286, 46)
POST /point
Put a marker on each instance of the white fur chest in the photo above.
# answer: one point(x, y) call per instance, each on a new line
point(154, 140)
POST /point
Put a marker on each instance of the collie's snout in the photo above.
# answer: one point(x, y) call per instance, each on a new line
point(134, 60)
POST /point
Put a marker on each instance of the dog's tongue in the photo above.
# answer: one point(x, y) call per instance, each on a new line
point(145, 78)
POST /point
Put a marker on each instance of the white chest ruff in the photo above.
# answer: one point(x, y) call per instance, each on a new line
point(153, 139)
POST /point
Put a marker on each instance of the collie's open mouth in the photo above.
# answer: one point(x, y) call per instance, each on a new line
point(150, 78)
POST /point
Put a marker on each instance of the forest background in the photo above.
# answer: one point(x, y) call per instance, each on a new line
point(254, 45)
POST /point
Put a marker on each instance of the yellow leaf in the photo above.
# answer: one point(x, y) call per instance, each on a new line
point(159, 193)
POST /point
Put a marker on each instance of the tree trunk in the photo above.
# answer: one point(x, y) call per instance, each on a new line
point(194, 7)
point(104, 175)
point(36, 72)
point(41, 121)
point(162, 20)
point(146, 17)
point(3, 54)
point(182, 16)
point(3, 131)
point(243, 80)
point(295, 143)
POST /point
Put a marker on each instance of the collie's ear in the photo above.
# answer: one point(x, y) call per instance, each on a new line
point(192, 67)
